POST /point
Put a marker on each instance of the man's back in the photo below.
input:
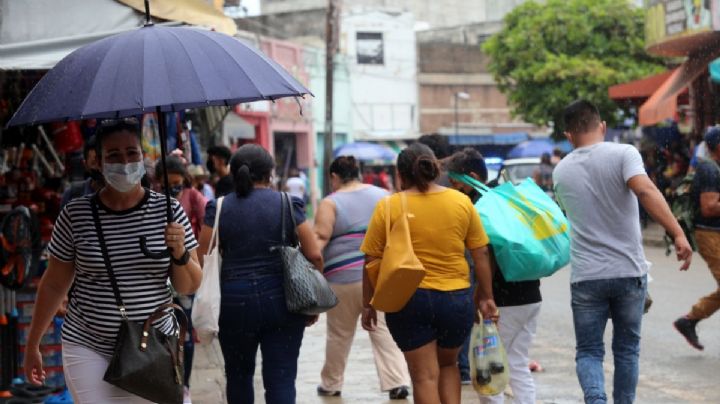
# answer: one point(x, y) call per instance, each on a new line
point(591, 186)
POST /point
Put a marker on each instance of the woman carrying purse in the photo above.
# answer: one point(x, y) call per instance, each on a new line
point(253, 310)
point(125, 211)
point(432, 326)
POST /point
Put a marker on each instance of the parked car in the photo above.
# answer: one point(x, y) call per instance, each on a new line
point(517, 170)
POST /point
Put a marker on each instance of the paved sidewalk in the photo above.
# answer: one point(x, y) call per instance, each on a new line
point(361, 383)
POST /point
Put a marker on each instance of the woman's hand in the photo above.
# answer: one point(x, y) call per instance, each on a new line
point(487, 308)
point(175, 239)
point(369, 319)
point(33, 365)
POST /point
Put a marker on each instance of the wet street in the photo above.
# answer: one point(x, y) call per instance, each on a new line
point(670, 371)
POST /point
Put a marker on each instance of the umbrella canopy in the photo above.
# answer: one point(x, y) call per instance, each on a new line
point(369, 153)
point(151, 69)
point(155, 69)
point(536, 148)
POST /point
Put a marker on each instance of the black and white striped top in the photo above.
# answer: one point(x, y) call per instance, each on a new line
point(93, 318)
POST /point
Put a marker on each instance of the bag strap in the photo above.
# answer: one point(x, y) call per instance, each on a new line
point(159, 312)
point(106, 256)
point(479, 186)
point(216, 228)
point(288, 204)
point(403, 200)
point(387, 218)
point(283, 234)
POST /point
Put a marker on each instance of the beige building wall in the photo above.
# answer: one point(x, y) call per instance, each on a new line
point(427, 13)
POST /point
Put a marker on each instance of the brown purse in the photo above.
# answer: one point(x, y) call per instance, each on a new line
point(145, 361)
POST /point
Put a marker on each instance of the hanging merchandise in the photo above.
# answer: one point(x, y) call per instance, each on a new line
point(67, 136)
point(488, 361)
point(150, 137)
point(528, 231)
point(20, 239)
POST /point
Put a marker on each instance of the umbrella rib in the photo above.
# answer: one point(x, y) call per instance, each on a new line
point(197, 76)
point(239, 65)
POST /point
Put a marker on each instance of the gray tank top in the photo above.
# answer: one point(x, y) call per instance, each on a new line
point(343, 258)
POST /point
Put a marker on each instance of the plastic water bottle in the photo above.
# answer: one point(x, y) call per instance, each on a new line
point(492, 347)
point(482, 366)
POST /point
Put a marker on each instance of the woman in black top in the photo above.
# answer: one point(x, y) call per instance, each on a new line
point(518, 302)
point(253, 313)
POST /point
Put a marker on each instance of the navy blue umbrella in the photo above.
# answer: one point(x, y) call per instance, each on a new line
point(155, 69)
point(536, 148)
point(367, 152)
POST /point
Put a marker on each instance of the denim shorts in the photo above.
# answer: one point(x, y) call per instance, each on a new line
point(433, 315)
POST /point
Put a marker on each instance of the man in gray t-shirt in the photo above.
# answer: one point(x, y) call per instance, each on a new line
point(599, 185)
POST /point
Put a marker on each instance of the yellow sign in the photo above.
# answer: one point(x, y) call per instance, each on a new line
point(666, 20)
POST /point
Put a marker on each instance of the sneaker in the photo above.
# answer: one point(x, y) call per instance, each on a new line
point(187, 399)
point(465, 379)
point(399, 393)
point(686, 327)
point(327, 393)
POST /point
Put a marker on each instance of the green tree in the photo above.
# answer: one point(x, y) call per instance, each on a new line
point(549, 54)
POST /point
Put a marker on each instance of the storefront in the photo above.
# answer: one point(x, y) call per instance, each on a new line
point(686, 29)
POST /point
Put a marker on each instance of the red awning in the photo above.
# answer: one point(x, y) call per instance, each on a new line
point(663, 103)
point(638, 89)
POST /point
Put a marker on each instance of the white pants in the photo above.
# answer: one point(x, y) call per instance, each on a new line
point(84, 370)
point(342, 321)
point(517, 327)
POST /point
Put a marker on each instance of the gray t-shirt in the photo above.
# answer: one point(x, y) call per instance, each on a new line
point(591, 186)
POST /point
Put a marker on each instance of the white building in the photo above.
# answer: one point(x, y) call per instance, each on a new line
point(381, 53)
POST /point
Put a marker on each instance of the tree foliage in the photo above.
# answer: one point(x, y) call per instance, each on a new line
point(549, 54)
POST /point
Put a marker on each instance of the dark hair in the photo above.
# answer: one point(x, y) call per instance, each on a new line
point(174, 165)
point(345, 167)
point(220, 151)
point(90, 144)
point(418, 166)
point(580, 117)
point(112, 126)
point(468, 161)
point(250, 164)
point(545, 158)
point(437, 143)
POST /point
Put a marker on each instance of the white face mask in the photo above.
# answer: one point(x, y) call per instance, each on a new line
point(123, 177)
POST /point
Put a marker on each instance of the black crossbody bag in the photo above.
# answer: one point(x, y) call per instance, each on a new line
point(145, 361)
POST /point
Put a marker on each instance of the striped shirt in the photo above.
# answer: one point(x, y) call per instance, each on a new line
point(93, 318)
point(343, 258)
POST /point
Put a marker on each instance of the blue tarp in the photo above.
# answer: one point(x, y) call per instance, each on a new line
point(494, 138)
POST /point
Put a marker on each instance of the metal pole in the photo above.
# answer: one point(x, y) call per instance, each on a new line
point(331, 31)
point(457, 125)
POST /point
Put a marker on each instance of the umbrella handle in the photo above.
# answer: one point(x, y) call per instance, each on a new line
point(162, 128)
point(150, 254)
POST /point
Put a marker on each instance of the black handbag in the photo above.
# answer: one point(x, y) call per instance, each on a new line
point(145, 361)
point(306, 289)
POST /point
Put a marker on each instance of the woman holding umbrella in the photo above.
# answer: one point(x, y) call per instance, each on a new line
point(126, 211)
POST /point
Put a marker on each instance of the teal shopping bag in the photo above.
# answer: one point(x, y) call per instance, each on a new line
point(529, 233)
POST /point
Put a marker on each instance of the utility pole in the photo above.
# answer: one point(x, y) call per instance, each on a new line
point(331, 44)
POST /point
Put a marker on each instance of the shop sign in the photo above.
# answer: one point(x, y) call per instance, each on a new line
point(667, 20)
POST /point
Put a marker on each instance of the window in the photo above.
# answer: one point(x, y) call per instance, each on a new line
point(370, 48)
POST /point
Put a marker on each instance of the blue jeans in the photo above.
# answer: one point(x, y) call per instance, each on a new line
point(622, 299)
point(253, 313)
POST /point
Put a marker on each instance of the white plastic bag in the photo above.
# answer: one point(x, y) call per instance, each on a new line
point(489, 368)
point(206, 307)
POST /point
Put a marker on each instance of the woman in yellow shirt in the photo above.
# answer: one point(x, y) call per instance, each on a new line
point(431, 328)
